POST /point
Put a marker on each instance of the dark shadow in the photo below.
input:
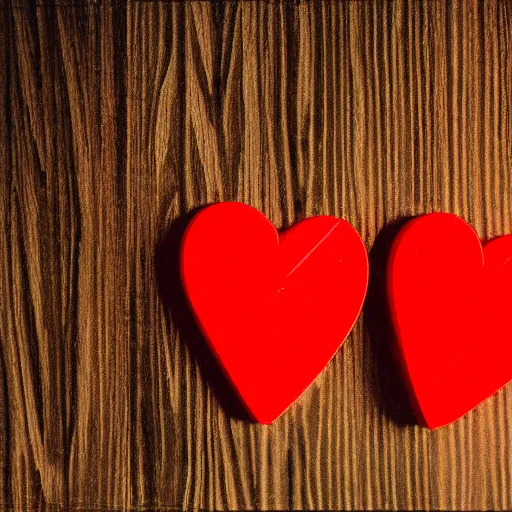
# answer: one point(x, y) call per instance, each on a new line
point(172, 294)
point(390, 386)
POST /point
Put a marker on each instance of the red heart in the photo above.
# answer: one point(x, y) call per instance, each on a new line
point(273, 308)
point(450, 303)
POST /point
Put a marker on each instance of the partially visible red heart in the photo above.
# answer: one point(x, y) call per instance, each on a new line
point(273, 308)
point(450, 303)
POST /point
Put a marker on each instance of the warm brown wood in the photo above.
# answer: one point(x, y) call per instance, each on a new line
point(117, 119)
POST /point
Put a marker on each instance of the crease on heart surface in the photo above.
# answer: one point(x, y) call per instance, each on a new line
point(450, 302)
point(315, 247)
point(271, 305)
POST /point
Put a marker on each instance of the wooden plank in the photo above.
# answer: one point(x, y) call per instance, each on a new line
point(119, 118)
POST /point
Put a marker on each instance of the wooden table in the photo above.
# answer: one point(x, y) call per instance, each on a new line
point(116, 119)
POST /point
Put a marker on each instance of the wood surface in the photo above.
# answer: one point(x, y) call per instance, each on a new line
point(118, 119)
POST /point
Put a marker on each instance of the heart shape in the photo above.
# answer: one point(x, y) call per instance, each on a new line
point(450, 302)
point(274, 308)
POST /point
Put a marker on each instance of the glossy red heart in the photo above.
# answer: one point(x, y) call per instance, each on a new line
point(274, 308)
point(450, 302)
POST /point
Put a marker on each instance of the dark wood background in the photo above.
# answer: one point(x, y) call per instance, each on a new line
point(116, 120)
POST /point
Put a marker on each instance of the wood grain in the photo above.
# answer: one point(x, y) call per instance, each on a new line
point(118, 118)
